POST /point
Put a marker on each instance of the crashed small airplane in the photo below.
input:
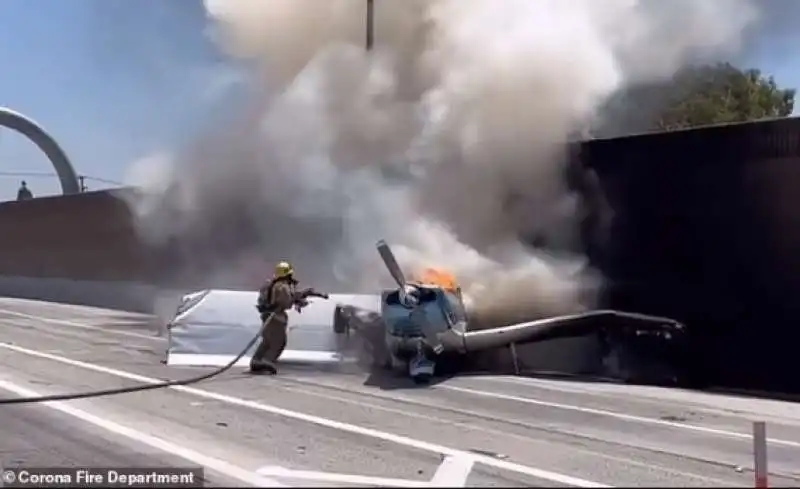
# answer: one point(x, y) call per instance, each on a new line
point(420, 328)
point(425, 320)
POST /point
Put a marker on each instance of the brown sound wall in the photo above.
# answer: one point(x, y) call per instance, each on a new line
point(92, 237)
point(83, 237)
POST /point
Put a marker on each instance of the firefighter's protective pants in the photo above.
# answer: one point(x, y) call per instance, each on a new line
point(273, 341)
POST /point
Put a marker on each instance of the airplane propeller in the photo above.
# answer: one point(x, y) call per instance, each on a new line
point(391, 264)
point(407, 295)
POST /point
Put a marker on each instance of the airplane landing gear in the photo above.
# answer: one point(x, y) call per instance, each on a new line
point(341, 323)
point(422, 379)
point(420, 367)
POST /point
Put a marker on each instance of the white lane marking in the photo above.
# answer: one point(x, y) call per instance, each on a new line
point(73, 324)
point(494, 432)
point(350, 479)
point(320, 421)
point(716, 401)
point(612, 414)
point(288, 356)
point(453, 472)
point(217, 465)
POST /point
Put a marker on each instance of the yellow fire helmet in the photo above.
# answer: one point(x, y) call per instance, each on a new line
point(283, 269)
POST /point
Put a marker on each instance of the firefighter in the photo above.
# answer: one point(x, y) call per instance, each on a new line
point(274, 298)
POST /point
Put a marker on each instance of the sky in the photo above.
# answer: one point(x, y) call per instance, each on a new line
point(116, 80)
point(111, 80)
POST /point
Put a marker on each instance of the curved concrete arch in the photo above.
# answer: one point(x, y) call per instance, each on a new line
point(48, 145)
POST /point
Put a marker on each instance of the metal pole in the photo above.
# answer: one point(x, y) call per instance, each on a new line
point(513, 349)
point(370, 24)
point(760, 453)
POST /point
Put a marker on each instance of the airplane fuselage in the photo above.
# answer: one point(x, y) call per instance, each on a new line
point(417, 334)
point(425, 319)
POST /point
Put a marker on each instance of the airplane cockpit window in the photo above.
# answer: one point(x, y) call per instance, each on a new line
point(425, 295)
point(393, 298)
point(456, 305)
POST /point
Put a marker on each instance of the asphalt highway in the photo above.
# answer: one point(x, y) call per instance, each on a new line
point(323, 428)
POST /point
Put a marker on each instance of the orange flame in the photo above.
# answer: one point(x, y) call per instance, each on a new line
point(437, 277)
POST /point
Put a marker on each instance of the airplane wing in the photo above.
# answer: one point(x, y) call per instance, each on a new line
point(574, 325)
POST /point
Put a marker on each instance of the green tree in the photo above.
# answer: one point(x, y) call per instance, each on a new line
point(695, 96)
point(722, 93)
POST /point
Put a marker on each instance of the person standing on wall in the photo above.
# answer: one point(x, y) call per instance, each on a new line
point(24, 193)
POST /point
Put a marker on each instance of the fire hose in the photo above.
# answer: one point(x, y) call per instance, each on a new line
point(140, 388)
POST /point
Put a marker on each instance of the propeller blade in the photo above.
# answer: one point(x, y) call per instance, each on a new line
point(391, 263)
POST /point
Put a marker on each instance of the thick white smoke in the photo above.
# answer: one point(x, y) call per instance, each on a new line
point(448, 139)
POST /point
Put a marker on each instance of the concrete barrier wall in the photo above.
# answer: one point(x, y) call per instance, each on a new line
point(573, 356)
point(124, 296)
point(81, 249)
